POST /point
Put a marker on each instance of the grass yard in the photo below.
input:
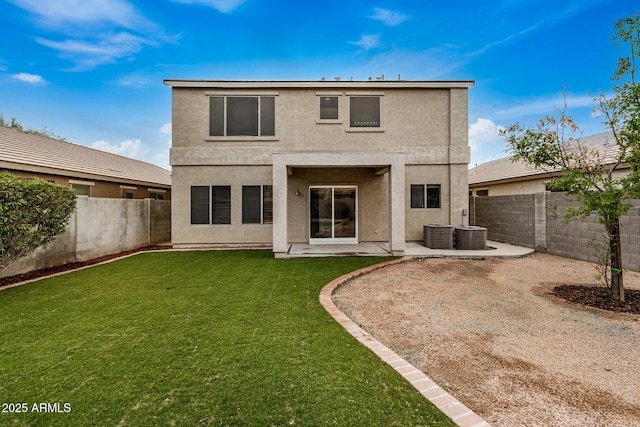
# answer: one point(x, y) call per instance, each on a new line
point(193, 339)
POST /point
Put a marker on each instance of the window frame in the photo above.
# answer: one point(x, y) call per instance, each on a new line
point(325, 109)
point(424, 194)
point(212, 215)
point(77, 185)
point(265, 201)
point(219, 126)
point(365, 124)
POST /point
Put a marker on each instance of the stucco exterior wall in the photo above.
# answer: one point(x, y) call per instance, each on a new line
point(427, 127)
point(185, 234)
point(373, 200)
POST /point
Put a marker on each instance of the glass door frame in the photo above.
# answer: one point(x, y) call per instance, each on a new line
point(333, 239)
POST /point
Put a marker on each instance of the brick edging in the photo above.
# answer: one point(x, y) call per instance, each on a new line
point(449, 405)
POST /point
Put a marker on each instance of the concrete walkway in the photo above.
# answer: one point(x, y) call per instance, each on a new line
point(412, 249)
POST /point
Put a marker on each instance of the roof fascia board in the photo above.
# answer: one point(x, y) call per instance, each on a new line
point(22, 167)
point(320, 84)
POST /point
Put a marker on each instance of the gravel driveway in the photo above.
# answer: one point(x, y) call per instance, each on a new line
point(489, 332)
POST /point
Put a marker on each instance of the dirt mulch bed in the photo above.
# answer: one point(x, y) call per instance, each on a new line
point(36, 274)
point(496, 335)
point(599, 298)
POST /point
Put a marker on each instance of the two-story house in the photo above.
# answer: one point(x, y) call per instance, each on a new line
point(316, 162)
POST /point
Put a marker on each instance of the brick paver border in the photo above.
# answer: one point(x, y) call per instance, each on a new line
point(449, 405)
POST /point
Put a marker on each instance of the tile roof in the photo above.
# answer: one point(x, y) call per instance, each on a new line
point(505, 169)
point(26, 151)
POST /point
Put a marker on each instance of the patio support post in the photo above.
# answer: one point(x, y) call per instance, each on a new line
point(396, 207)
point(280, 241)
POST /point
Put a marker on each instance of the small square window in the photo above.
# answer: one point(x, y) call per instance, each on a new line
point(328, 108)
point(128, 194)
point(81, 189)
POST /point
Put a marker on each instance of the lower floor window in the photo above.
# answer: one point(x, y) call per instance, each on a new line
point(425, 196)
point(211, 204)
point(257, 204)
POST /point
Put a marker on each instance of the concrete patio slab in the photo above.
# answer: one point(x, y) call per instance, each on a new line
point(413, 249)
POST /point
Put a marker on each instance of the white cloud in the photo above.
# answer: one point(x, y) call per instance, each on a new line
point(165, 129)
point(545, 105)
point(95, 32)
point(89, 54)
point(62, 13)
point(129, 148)
point(29, 78)
point(368, 41)
point(224, 6)
point(389, 17)
point(485, 142)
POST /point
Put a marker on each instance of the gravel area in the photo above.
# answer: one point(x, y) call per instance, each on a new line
point(492, 335)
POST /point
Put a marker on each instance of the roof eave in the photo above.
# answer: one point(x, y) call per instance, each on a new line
point(301, 84)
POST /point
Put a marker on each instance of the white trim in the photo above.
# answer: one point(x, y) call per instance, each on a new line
point(240, 94)
point(241, 138)
point(333, 239)
point(78, 182)
point(128, 187)
point(156, 190)
point(397, 84)
point(329, 93)
point(364, 93)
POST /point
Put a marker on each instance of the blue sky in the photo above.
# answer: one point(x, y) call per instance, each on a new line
point(92, 70)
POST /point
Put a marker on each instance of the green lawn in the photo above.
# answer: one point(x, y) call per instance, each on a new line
point(194, 339)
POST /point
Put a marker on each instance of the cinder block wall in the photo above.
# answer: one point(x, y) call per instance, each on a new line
point(537, 221)
point(100, 227)
point(575, 239)
point(509, 219)
point(159, 221)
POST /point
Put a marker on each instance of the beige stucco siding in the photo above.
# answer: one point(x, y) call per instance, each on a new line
point(184, 233)
point(373, 200)
point(422, 139)
point(410, 119)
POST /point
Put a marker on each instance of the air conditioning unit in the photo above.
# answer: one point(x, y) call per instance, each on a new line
point(471, 238)
point(438, 236)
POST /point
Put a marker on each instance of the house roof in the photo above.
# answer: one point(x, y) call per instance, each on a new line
point(506, 170)
point(34, 153)
point(333, 83)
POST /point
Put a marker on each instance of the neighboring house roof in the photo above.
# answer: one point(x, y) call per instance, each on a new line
point(506, 170)
point(34, 153)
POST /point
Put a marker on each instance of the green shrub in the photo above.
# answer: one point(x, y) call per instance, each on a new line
point(32, 213)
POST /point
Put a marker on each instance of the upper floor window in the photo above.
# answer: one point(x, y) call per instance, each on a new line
point(328, 108)
point(364, 111)
point(242, 116)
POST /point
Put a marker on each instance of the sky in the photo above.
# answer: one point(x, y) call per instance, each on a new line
point(92, 71)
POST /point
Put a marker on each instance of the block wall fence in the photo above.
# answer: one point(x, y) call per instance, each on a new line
point(99, 227)
point(537, 221)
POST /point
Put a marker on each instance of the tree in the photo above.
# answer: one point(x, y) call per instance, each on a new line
point(15, 124)
point(586, 172)
point(32, 213)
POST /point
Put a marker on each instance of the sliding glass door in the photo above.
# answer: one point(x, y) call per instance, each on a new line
point(333, 214)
